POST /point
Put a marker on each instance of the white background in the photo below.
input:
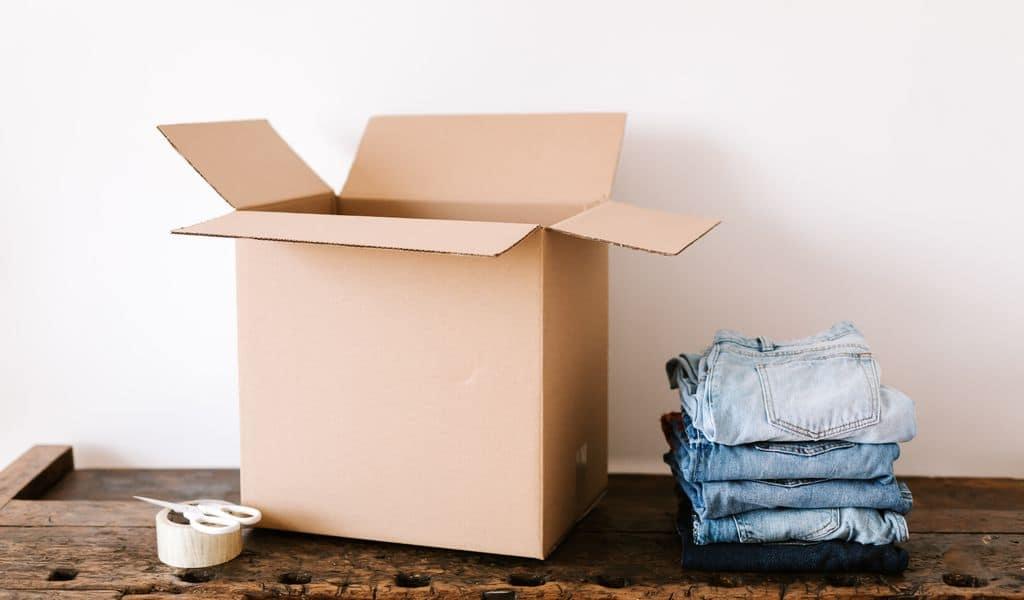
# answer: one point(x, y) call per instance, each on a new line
point(867, 159)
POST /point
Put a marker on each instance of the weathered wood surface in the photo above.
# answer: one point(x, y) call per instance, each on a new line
point(82, 530)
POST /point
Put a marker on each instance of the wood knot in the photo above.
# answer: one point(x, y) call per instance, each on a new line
point(527, 579)
point(62, 574)
point(843, 580)
point(729, 581)
point(295, 578)
point(412, 580)
point(196, 575)
point(613, 581)
point(964, 580)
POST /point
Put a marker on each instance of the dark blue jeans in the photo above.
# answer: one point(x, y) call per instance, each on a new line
point(831, 556)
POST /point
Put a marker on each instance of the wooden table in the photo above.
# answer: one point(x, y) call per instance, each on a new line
point(67, 533)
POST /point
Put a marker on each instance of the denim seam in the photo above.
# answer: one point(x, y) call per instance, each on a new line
point(842, 329)
point(831, 525)
point(903, 531)
point(862, 348)
point(796, 483)
point(744, 533)
point(816, 449)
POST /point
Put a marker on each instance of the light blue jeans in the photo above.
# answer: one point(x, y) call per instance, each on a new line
point(824, 387)
point(701, 460)
point(714, 499)
point(863, 525)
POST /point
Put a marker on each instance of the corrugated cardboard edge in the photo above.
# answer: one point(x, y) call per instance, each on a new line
point(621, 224)
point(270, 238)
point(164, 131)
point(648, 250)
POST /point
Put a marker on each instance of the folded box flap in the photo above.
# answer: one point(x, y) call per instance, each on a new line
point(478, 238)
point(247, 162)
point(567, 159)
point(638, 228)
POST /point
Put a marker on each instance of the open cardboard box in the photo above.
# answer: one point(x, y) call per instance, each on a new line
point(423, 357)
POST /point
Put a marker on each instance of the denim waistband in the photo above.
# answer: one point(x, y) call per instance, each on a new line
point(765, 344)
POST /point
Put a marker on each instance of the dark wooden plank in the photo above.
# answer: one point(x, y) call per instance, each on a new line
point(77, 513)
point(637, 503)
point(967, 492)
point(168, 484)
point(59, 595)
point(35, 471)
point(124, 558)
point(963, 520)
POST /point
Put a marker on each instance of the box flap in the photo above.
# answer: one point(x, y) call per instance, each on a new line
point(521, 159)
point(638, 228)
point(478, 238)
point(247, 162)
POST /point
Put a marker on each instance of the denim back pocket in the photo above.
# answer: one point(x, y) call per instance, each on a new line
point(822, 397)
point(809, 525)
point(804, 448)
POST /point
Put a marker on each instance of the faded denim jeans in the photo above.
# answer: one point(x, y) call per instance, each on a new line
point(825, 387)
point(701, 460)
point(861, 525)
point(714, 499)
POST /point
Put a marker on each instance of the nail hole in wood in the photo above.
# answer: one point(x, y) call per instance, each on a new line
point(730, 581)
point(843, 580)
point(196, 575)
point(62, 574)
point(613, 581)
point(412, 580)
point(963, 580)
point(295, 578)
point(527, 579)
point(499, 595)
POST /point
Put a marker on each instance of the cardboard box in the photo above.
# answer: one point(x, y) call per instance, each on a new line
point(423, 357)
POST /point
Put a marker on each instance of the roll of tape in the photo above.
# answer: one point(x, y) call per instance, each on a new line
point(179, 545)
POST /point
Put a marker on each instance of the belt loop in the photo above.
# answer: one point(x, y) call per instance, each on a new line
point(765, 344)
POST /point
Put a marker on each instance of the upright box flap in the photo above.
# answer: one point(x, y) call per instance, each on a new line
point(247, 162)
point(638, 228)
point(518, 159)
point(478, 238)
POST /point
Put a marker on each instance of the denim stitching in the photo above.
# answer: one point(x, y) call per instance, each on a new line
point(791, 483)
point(873, 419)
point(835, 332)
point(860, 348)
point(804, 451)
point(832, 525)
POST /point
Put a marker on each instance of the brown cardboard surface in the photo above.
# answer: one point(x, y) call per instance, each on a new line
point(480, 238)
point(543, 214)
point(515, 159)
point(427, 397)
point(247, 162)
point(637, 228)
point(575, 380)
point(393, 396)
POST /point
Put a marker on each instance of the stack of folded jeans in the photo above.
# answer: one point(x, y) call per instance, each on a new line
point(784, 455)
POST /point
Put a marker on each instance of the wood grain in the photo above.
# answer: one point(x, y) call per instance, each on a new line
point(35, 471)
point(967, 541)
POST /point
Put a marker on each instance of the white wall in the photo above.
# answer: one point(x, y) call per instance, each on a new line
point(866, 158)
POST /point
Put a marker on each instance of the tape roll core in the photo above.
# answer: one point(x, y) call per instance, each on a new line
point(179, 545)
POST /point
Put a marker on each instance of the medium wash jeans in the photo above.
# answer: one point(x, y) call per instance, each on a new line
point(825, 387)
point(861, 525)
point(701, 460)
point(715, 499)
point(829, 556)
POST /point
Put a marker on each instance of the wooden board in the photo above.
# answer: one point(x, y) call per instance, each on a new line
point(967, 541)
